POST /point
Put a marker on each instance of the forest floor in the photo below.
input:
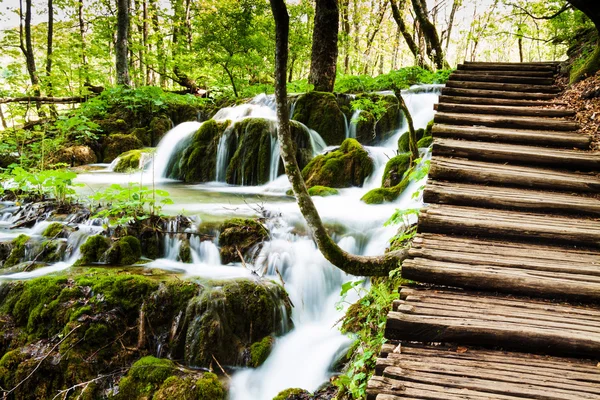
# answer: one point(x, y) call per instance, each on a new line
point(588, 109)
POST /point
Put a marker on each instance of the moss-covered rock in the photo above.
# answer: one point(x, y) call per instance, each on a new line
point(425, 141)
point(185, 251)
point(322, 191)
point(209, 387)
point(118, 143)
point(293, 394)
point(159, 125)
point(242, 234)
point(395, 169)
point(17, 253)
point(112, 124)
point(125, 251)
point(259, 351)
point(403, 142)
point(385, 194)
point(54, 230)
point(347, 166)
point(370, 130)
point(321, 112)
point(73, 156)
point(225, 320)
point(93, 249)
point(143, 135)
point(133, 159)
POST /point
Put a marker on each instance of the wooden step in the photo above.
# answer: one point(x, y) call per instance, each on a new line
point(532, 74)
point(500, 67)
point(526, 155)
point(552, 64)
point(512, 323)
point(496, 94)
point(503, 110)
point(501, 121)
point(463, 194)
point(476, 77)
point(495, 224)
point(497, 102)
point(539, 138)
point(507, 87)
point(410, 371)
point(457, 170)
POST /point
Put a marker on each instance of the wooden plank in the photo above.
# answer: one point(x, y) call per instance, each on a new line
point(517, 65)
point(496, 94)
point(503, 110)
point(502, 121)
point(539, 138)
point(505, 280)
point(542, 74)
point(536, 178)
point(507, 87)
point(567, 159)
point(497, 102)
point(474, 76)
point(509, 198)
point(499, 67)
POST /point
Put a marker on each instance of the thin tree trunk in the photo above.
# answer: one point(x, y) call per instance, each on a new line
point(145, 39)
point(84, 63)
point(4, 124)
point(352, 264)
point(324, 46)
point(371, 37)
point(230, 75)
point(26, 46)
point(346, 30)
point(430, 33)
point(160, 50)
point(399, 18)
point(49, 54)
point(455, 5)
point(122, 45)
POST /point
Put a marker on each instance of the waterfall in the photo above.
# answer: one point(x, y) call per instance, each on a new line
point(351, 132)
point(171, 144)
point(223, 155)
point(275, 156)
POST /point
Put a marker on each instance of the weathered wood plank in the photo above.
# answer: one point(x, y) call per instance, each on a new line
point(536, 178)
point(532, 137)
point(497, 102)
point(503, 110)
point(502, 121)
point(507, 87)
point(496, 94)
point(474, 76)
point(541, 74)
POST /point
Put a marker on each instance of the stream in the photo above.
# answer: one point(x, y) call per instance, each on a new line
point(302, 358)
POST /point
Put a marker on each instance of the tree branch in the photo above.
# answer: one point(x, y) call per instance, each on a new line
point(43, 99)
point(546, 17)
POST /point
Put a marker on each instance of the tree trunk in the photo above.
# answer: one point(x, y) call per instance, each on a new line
point(84, 63)
point(122, 45)
point(49, 53)
point(352, 264)
point(412, 134)
point(430, 34)
point(26, 46)
point(324, 46)
point(399, 18)
point(148, 78)
point(592, 10)
point(346, 30)
point(230, 75)
point(160, 51)
point(455, 6)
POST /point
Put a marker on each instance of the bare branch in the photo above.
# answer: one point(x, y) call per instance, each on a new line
point(546, 17)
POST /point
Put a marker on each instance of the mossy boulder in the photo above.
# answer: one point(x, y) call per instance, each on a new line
point(159, 125)
point(347, 166)
point(403, 142)
point(55, 230)
point(209, 387)
point(320, 111)
point(17, 252)
point(226, 319)
point(112, 124)
point(259, 351)
point(93, 249)
point(143, 135)
point(74, 156)
point(395, 170)
point(118, 143)
point(322, 191)
point(8, 159)
point(125, 251)
point(425, 141)
point(385, 194)
point(293, 394)
point(243, 234)
point(370, 130)
point(132, 160)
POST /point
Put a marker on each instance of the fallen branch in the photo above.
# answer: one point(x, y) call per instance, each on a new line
point(43, 99)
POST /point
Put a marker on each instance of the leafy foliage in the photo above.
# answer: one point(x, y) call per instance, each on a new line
point(402, 78)
point(57, 184)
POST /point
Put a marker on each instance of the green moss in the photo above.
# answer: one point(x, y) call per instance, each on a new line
point(368, 129)
point(52, 251)
point(126, 251)
point(259, 351)
point(185, 252)
point(426, 141)
point(143, 135)
point(93, 249)
point(18, 251)
point(97, 334)
point(382, 195)
point(53, 230)
point(118, 143)
point(131, 160)
point(587, 66)
point(395, 169)
point(293, 394)
point(250, 163)
point(124, 291)
point(242, 234)
point(209, 387)
point(175, 387)
point(152, 369)
point(322, 191)
point(403, 142)
point(347, 166)
point(321, 112)
point(159, 125)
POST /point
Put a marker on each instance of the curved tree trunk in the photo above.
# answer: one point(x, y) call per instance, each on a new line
point(398, 17)
point(430, 33)
point(122, 45)
point(592, 10)
point(352, 264)
point(324, 46)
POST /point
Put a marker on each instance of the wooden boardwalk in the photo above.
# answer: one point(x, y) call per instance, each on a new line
point(508, 247)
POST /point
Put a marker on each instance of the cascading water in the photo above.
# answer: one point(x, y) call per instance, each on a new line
point(351, 132)
point(223, 155)
point(172, 143)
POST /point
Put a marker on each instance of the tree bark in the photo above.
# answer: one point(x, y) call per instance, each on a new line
point(412, 134)
point(324, 46)
point(430, 34)
point(160, 51)
point(455, 5)
point(592, 10)
point(122, 45)
point(26, 46)
point(50, 37)
point(352, 264)
point(84, 63)
point(346, 30)
point(399, 18)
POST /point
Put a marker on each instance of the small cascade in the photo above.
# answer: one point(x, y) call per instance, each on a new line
point(223, 156)
point(275, 157)
point(171, 144)
point(204, 252)
point(316, 142)
point(351, 132)
point(261, 106)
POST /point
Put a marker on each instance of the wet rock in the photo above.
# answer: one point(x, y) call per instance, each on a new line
point(395, 169)
point(385, 194)
point(125, 251)
point(159, 125)
point(347, 166)
point(259, 351)
point(93, 249)
point(322, 191)
point(56, 230)
point(294, 394)
point(198, 161)
point(17, 253)
point(74, 156)
point(245, 235)
point(133, 160)
point(320, 111)
point(368, 129)
point(143, 135)
point(118, 143)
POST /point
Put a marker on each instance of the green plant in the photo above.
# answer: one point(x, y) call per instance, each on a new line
point(376, 108)
point(57, 183)
point(121, 204)
point(78, 126)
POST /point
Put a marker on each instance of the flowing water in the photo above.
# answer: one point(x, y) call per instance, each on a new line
point(304, 356)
